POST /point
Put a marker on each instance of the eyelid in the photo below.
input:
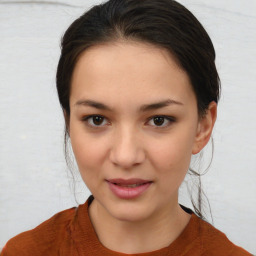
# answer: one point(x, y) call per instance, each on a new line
point(171, 119)
point(86, 118)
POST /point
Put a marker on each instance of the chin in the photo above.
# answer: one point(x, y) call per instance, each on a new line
point(129, 212)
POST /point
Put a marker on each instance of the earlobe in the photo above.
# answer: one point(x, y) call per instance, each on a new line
point(205, 127)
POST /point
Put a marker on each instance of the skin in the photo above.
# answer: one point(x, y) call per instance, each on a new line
point(128, 143)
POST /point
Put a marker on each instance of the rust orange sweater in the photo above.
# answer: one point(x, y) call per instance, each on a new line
point(70, 233)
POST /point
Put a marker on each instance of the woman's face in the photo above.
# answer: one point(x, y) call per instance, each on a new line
point(131, 158)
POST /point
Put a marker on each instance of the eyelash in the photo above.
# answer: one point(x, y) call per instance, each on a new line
point(169, 118)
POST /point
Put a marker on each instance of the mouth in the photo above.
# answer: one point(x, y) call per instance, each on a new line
point(129, 186)
point(128, 189)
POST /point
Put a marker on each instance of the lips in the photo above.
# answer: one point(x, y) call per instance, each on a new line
point(128, 189)
point(129, 182)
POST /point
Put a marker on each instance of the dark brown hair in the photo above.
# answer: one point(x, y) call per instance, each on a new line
point(163, 23)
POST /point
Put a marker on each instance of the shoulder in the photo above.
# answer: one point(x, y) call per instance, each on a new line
point(44, 238)
point(214, 242)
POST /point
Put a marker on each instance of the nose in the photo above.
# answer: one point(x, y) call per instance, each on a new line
point(127, 149)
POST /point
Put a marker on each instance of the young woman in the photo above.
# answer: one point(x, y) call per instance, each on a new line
point(139, 89)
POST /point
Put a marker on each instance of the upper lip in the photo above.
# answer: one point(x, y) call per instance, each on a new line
point(128, 181)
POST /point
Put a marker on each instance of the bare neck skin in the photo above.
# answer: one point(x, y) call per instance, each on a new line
point(152, 234)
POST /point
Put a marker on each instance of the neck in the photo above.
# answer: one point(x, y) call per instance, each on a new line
point(152, 234)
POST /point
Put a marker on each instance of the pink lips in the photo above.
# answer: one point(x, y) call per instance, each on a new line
point(128, 189)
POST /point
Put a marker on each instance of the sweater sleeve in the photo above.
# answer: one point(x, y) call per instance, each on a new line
point(45, 239)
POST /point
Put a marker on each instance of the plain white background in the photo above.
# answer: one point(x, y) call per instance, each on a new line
point(34, 180)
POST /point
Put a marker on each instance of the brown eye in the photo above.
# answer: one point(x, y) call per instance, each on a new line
point(94, 120)
point(159, 120)
point(97, 120)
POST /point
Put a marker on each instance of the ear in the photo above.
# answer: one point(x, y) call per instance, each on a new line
point(67, 119)
point(205, 127)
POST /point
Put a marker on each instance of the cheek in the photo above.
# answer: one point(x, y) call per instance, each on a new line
point(172, 159)
point(173, 153)
point(89, 152)
point(88, 156)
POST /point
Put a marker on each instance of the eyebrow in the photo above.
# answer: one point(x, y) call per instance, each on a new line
point(143, 108)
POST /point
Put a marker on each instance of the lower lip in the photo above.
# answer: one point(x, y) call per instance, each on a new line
point(128, 192)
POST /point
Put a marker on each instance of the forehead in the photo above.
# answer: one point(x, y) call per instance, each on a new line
point(130, 55)
point(132, 69)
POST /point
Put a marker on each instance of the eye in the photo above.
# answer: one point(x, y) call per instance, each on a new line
point(94, 120)
point(162, 121)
